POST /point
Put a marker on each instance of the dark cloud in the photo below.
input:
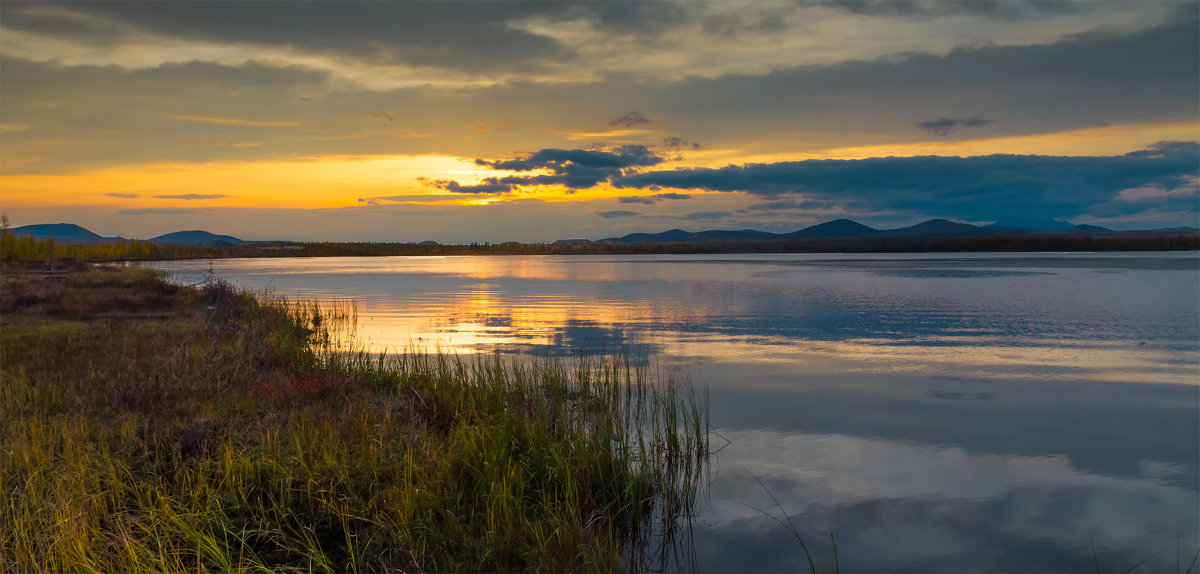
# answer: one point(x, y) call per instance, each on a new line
point(46, 18)
point(123, 195)
point(637, 199)
point(557, 159)
point(652, 199)
point(572, 168)
point(970, 188)
point(1143, 76)
point(928, 9)
point(629, 120)
point(617, 213)
point(489, 186)
point(1167, 150)
point(694, 216)
point(1147, 76)
point(190, 196)
point(945, 126)
point(678, 143)
point(41, 79)
point(472, 36)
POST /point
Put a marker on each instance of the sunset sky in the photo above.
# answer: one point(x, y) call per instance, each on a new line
point(465, 121)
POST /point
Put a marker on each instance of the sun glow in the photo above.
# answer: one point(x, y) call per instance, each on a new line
point(329, 181)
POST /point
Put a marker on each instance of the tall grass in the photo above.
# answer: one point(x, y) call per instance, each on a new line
point(207, 430)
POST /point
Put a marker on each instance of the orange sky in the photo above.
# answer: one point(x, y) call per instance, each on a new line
point(167, 117)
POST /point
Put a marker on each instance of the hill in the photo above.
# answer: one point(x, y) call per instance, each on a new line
point(849, 229)
point(62, 233)
point(196, 237)
point(835, 228)
point(939, 228)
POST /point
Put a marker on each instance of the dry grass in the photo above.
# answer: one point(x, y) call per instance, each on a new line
point(149, 427)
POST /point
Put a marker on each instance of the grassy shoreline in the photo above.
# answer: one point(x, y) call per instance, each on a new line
point(149, 426)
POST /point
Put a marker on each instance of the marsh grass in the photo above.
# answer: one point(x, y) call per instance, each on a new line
point(152, 427)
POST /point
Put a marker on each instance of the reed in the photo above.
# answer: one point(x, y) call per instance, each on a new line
point(205, 429)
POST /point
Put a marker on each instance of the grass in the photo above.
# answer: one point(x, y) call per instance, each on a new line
point(152, 427)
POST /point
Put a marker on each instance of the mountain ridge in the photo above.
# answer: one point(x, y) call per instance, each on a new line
point(850, 229)
point(69, 233)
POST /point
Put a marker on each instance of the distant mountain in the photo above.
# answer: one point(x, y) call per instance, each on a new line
point(62, 233)
point(835, 228)
point(681, 236)
point(196, 237)
point(1085, 228)
point(938, 228)
point(1032, 224)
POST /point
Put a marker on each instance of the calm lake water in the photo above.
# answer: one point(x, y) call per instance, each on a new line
point(957, 412)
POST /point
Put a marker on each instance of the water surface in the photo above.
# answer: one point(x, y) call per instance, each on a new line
point(964, 412)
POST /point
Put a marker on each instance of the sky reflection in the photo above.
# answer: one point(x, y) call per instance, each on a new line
point(938, 413)
point(976, 512)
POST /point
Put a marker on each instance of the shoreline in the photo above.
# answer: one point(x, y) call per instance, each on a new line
point(159, 427)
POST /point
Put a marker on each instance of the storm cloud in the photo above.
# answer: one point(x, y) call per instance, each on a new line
point(972, 188)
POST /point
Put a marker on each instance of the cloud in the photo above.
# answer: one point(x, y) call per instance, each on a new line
point(237, 121)
point(629, 120)
point(678, 143)
point(637, 199)
point(489, 186)
point(1127, 79)
point(970, 188)
point(694, 216)
point(930, 9)
point(617, 213)
point(946, 126)
point(190, 196)
point(572, 168)
point(471, 36)
point(123, 195)
point(384, 116)
point(416, 198)
point(652, 199)
point(163, 211)
point(1167, 150)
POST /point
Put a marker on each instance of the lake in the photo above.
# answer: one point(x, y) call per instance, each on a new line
point(935, 412)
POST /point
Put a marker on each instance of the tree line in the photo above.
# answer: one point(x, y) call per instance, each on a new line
point(30, 249)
